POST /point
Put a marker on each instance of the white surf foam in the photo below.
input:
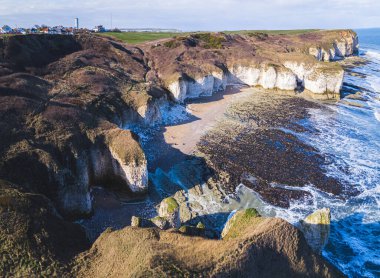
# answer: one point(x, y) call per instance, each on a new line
point(373, 54)
point(377, 115)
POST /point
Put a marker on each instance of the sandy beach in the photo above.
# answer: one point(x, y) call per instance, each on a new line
point(184, 137)
point(174, 143)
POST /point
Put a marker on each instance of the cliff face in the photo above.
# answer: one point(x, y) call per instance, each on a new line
point(274, 62)
point(61, 117)
point(336, 48)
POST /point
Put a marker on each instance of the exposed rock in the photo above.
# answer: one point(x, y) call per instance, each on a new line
point(268, 76)
point(316, 228)
point(270, 247)
point(131, 163)
point(169, 209)
point(318, 78)
point(193, 71)
point(352, 103)
point(200, 225)
point(141, 222)
point(192, 231)
point(337, 48)
point(238, 222)
point(160, 222)
point(65, 100)
point(268, 156)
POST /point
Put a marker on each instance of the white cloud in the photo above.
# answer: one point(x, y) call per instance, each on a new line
point(195, 14)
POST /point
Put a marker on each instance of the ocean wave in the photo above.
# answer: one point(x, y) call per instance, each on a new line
point(377, 115)
point(373, 54)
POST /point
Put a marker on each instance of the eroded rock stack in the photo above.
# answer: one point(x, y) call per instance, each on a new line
point(168, 216)
point(316, 228)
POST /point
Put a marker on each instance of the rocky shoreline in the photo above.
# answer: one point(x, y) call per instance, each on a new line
point(70, 103)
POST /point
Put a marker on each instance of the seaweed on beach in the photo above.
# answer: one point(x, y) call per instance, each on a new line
point(257, 145)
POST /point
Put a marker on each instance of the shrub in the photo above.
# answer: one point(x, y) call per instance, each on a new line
point(172, 43)
point(258, 35)
point(210, 40)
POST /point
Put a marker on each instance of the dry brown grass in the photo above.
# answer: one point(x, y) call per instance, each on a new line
point(137, 252)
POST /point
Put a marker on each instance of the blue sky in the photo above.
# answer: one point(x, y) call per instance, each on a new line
point(194, 14)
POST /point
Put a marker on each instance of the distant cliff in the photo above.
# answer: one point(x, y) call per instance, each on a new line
point(201, 64)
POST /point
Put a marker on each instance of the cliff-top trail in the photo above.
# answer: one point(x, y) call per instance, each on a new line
point(71, 107)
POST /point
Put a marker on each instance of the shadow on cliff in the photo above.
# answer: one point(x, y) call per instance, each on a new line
point(230, 90)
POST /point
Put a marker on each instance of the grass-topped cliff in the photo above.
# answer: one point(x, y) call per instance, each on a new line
point(140, 37)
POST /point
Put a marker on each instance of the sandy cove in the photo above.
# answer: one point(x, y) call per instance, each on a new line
point(173, 143)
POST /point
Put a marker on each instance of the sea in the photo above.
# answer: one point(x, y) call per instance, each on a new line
point(349, 135)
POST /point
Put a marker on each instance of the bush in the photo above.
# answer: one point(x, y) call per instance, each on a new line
point(172, 43)
point(210, 40)
point(258, 35)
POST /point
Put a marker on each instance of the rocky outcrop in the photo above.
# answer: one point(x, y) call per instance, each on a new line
point(62, 110)
point(168, 216)
point(338, 48)
point(169, 210)
point(237, 222)
point(186, 87)
point(318, 78)
point(67, 100)
point(129, 162)
point(141, 222)
point(324, 81)
point(198, 230)
point(262, 247)
point(316, 228)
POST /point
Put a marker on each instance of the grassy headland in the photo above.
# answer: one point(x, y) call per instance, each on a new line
point(140, 37)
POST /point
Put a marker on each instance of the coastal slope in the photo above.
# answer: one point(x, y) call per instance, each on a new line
point(69, 104)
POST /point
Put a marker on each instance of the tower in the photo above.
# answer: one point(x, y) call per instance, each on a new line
point(77, 23)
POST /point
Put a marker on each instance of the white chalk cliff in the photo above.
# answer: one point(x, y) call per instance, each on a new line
point(344, 47)
point(322, 80)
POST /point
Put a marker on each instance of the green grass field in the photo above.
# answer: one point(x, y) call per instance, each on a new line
point(140, 37)
point(273, 32)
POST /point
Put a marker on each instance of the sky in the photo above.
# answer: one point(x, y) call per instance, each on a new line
point(194, 15)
